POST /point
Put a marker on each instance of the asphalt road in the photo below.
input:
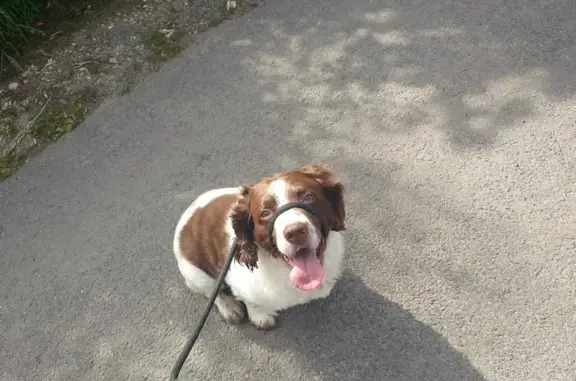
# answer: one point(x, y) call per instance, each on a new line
point(454, 126)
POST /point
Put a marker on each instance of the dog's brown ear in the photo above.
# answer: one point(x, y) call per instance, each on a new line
point(333, 190)
point(243, 225)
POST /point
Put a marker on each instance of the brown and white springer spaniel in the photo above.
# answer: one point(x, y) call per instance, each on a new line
point(300, 260)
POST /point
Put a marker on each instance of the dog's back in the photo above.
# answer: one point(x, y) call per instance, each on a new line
point(201, 236)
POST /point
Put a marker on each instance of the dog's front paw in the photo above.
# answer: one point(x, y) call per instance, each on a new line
point(231, 310)
point(263, 322)
point(260, 318)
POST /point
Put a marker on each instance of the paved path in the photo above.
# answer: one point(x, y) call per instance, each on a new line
point(453, 123)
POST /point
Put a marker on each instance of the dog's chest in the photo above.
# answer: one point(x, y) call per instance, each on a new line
point(269, 286)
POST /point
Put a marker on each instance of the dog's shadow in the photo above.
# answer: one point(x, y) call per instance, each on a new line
point(356, 334)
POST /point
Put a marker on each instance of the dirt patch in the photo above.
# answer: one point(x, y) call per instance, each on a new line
point(102, 49)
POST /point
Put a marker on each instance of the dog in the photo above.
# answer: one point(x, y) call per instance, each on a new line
point(294, 261)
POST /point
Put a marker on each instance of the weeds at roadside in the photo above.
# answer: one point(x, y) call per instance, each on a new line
point(63, 118)
point(50, 123)
point(161, 46)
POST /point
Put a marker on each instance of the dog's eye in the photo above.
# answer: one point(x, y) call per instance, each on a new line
point(265, 213)
point(309, 197)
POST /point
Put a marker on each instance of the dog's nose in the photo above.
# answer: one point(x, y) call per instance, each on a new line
point(296, 233)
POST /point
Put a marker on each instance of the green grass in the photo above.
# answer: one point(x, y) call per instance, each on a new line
point(56, 120)
point(16, 18)
point(161, 47)
point(8, 166)
point(62, 118)
point(125, 89)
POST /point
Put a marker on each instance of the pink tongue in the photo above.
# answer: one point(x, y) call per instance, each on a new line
point(307, 273)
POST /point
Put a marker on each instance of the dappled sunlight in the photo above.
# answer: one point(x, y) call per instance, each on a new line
point(414, 75)
point(384, 16)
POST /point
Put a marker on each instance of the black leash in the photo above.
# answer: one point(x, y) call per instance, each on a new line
point(231, 254)
point(192, 340)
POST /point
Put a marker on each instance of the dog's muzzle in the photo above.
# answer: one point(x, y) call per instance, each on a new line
point(285, 208)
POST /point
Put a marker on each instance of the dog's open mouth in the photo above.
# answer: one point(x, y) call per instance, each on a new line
point(307, 271)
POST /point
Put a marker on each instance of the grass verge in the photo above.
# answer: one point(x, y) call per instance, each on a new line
point(54, 120)
point(161, 45)
point(16, 18)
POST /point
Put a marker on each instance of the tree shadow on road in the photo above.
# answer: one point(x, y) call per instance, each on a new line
point(357, 334)
point(466, 70)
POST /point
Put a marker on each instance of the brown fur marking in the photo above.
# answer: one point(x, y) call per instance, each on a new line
point(203, 240)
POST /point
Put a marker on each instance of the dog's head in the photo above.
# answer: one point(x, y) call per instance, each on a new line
point(297, 236)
